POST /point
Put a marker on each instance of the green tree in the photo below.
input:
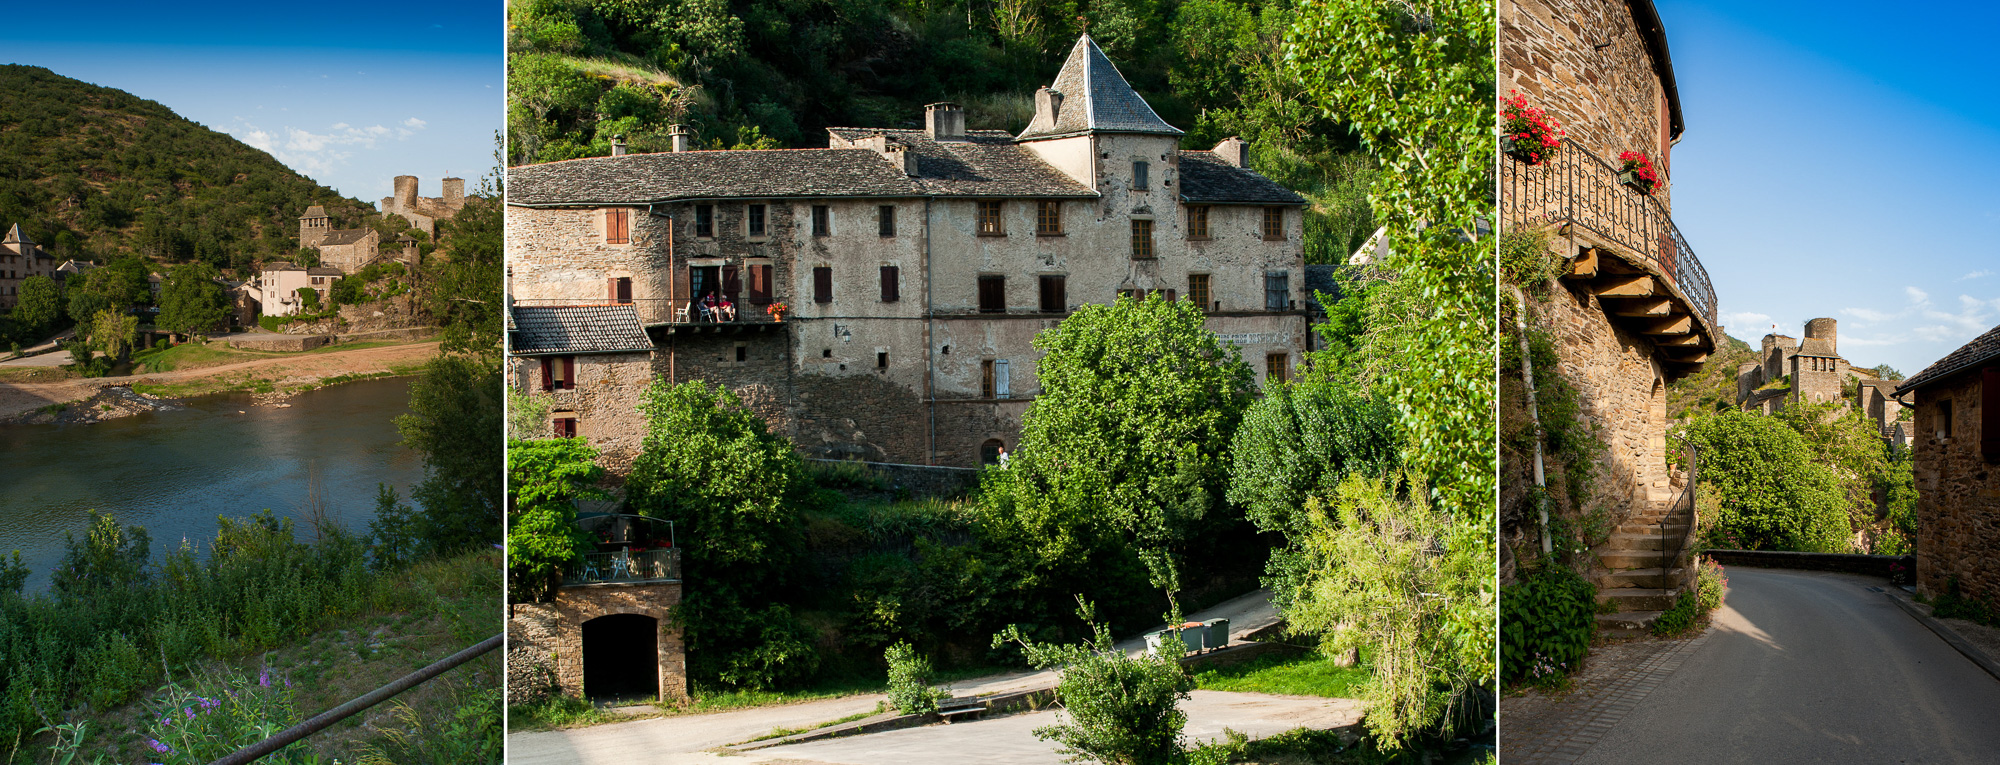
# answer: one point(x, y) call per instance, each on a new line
point(36, 311)
point(113, 333)
point(191, 301)
point(1770, 493)
point(308, 300)
point(545, 478)
point(454, 421)
point(710, 465)
point(462, 289)
point(117, 286)
point(1122, 710)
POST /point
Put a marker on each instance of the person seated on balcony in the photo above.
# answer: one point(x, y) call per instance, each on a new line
point(708, 307)
point(725, 310)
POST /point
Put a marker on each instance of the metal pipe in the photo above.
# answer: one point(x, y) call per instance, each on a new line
point(1534, 414)
point(326, 719)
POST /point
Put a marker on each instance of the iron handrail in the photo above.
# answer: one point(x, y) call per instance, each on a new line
point(642, 566)
point(1578, 188)
point(326, 719)
point(1682, 541)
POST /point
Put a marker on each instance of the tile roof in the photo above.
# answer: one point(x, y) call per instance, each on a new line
point(346, 236)
point(1096, 98)
point(325, 271)
point(281, 265)
point(1984, 348)
point(541, 330)
point(1207, 178)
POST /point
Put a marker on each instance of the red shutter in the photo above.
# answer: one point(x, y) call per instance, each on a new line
point(1989, 413)
point(760, 285)
point(822, 284)
point(611, 288)
point(569, 372)
point(548, 374)
point(732, 283)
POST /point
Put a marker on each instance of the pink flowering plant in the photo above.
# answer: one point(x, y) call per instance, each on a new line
point(1534, 135)
point(1638, 172)
point(218, 716)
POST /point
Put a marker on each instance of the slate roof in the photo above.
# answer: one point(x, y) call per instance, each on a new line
point(345, 236)
point(314, 211)
point(281, 265)
point(1096, 98)
point(543, 330)
point(324, 271)
point(986, 164)
point(1982, 349)
point(14, 235)
point(1816, 346)
point(1207, 178)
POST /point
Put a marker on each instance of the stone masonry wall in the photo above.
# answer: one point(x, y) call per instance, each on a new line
point(609, 389)
point(548, 637)
point(1607, 98)
point(1958, 495)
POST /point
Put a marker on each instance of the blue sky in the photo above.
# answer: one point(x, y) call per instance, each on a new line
point(349, 94)
point(1839, 161)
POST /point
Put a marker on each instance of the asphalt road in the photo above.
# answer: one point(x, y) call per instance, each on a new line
point(1810, 667)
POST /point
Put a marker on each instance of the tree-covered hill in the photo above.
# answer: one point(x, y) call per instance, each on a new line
point(1713, 388)
point(777, 73)
point(94, 172)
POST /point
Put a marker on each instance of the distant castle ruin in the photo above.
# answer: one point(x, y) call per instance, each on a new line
point(351, 249)
point(1813, 371)
point(424, 212)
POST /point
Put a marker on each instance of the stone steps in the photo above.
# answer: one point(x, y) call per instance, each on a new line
point(1654, 528)
point(1638, 577)
point(1638, 599)
point(1632, 557)
point(1627, 624)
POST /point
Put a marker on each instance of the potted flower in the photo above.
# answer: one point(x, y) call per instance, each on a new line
point(1526, 133)
point(777, 311)
point(1638, 172)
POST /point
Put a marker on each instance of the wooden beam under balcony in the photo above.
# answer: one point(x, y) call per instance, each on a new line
point(1676, 325)
point(1684, 357)
point(1678, 341)
point(1634, 285)
point(1584, 265)
point(1642, 307)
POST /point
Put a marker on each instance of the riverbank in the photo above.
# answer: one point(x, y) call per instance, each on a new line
point(274, 376)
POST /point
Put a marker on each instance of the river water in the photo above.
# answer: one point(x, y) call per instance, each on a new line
point(174, 472)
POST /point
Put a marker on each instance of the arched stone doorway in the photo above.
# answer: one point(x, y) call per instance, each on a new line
point(621, 657)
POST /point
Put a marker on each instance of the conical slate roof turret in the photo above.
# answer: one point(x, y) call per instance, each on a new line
point(1094, 98)
point(14, 236)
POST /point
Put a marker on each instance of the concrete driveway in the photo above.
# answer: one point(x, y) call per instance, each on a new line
point(1811, 667)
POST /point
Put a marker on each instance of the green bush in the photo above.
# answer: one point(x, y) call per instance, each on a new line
point(1954, 604)
point(910, 681)
point(1122, 710)
point(1709, 588)
point(217, 716)
point(1772, 492)
point(1546, 622)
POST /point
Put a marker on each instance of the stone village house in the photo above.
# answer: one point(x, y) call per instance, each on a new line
point(21, 258)
point(1635, 309)
point(1957, 469)
point(911, 269)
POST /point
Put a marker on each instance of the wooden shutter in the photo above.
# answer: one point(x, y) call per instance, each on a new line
point(616, 228)
point(569, 372)
point(548, 374)
point(890, 293)
point(760, 285)
point(1989, 413)
point(1000, 389)
point(732, 283)
point(611, 288)
point(822, 284)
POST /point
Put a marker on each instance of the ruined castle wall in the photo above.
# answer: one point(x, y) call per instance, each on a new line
point(1609, 99)
point(1958, 495)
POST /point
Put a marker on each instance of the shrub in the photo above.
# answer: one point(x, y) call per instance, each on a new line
point(910, 681)
point(1709, 588)
point(1122, 710)
point(1547, 619)
point(217, 716)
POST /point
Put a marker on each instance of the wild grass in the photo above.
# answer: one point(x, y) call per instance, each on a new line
point(1307, 674)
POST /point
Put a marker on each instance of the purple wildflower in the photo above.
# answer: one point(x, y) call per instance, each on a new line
point(157, 746)
point(264, 677)
point(189, 711)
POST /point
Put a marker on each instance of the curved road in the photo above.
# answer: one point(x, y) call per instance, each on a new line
point(1812, 667)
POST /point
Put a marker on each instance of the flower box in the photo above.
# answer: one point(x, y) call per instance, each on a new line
point(1632, 179)
point(1527, 134)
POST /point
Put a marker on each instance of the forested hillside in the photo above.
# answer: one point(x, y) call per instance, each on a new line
point(777, 74)
point(94, 172)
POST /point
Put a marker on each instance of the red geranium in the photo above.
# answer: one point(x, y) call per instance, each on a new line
point(1641, 167)
point(1536, 136)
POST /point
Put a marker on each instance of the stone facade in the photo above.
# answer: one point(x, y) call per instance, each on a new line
point(21, 258)
point(347, 249)
point(1621, 386)
point(1590, 64)
point(547, 638)
point(1817, 374)
point(1957, 436)
point(604, 402)
point(424, 212)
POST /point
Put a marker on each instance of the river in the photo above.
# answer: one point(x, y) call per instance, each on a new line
point(174, 472)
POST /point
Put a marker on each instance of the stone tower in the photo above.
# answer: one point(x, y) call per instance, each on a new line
point(1825, 329)
point(406, 192)
point(314, 226)
point(454, 193)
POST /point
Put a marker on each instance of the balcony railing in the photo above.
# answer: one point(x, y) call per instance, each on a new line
point(654, 311)
point(642, 566)
point(1575, 187)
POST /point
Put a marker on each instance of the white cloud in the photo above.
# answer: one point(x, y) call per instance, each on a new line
point(1749, 319)
point(1870, 314)
point(1980, 274)
point(1917, 295)
point(415, 123)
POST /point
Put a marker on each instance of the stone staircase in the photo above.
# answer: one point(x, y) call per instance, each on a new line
point(1632, 562)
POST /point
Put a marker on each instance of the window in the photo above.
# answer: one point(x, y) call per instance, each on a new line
point(1277, 368)
point(989, 452)
point(1048, 218)
point(1274, 223)
point(756, 220)
point(1198, 290)
point(989, 219)
point(822, 221)
point(742, 353)
point(558, 373)
point(1139, 172)
point(890, 284)
point(620, 289)
point(1277, 291)
point(1197, 222)
point(563, 424)
point(1142, 239)
point(617, 226)
point(993, 294)
point(881, 359)
point(822, 284)
point(1055, 295)
point(704, 221)
point(760, 284)
point(885, 219)
point(1943, 424)
point(993, 379)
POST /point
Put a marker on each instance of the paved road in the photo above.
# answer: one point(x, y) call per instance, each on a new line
point(1809, 667)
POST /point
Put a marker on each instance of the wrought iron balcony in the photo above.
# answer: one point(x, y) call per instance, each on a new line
point(660, 311)
point(1577, 188)
point(626, 566)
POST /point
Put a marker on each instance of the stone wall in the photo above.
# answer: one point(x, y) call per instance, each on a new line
point(1871, 565)
point(1585, 63)
point(609, 389)
point(548, 637)
point(1958, 494)
point(282, 343)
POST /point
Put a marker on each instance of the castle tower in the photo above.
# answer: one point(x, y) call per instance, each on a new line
point(406, 193)
point(454, 193)
point(313, 226)
point(1827, 329)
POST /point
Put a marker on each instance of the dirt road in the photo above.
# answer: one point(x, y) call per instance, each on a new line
point(21, 399)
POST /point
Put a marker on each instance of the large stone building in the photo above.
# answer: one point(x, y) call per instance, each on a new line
point(347, 249)
point(1635, 310)
point(1958, 486)
point(912, 269)
point(20, 258)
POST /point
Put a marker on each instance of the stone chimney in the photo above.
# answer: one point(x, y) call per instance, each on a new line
point(1048, 107)
point(900, 156)
point(944, 121)
point(618, 146)
point(1234, 151)
point(680, 135)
